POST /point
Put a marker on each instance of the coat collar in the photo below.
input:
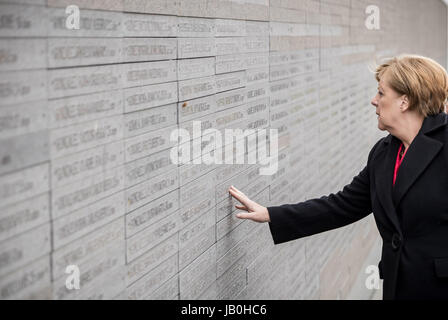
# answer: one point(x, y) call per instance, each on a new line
point(430, 123)
point(420, 153)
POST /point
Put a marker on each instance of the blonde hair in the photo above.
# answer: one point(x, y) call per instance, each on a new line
point(421, 79)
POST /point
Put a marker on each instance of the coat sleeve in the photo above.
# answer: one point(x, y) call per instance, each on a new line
point(294, 221)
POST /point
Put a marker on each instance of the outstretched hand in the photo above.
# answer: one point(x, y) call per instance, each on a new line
point(253, 210)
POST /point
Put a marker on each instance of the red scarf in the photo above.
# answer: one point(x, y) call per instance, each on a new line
point(399, 161)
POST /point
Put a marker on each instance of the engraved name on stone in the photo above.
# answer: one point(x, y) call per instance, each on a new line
point(257, 91)
point(148, 143)
point(81, 193)
point(279, 99)
point(13, 55)
point(233, 289)
point(24, 184)
point(196, 188)
point(22, 86)
point(240, 180)
point(196, 47)
point(68, 111)
point(276, 58)
point(195, 27)
point(188, 233)
point(152, 189)
point(201, 242)
point(149, 49)
point(86, 163)
point(150, 213)
point(146, 73)
point(22, 119)
point(230, 99)
point(254, 76)
point(195, 68)
point(195, 88)
point(232, 275)
point(279, 114)
point(153, 280)
point(93, 277)
point(151, 259)
point(224, 172)
point(257, 28)
point(303, 55)
point(195, 270)
point(140, 122)
point(256, 60)
point(87, 135)
point(229, 28)
point(230, 81)
point(25, 282)
point(206, 122)
point(230, 63)
point(92, 23)
point(228, 117)
point(256, 44)
point(145, 97)
point(110, 235)
point(24, 215)
point(22, 21)
point(22, 249)
point(167, 291)
point(68, 52)
point(226, 224)
point(85, 220)
point(148, 167)
point(99, 289)
point(197, 288)
point(192, 109)
point(189, 171)
point(148, 25)
point(224, 208)
point(83, 80)
point(230, 45)
point(233, 237)
point(196, 209)
point(151, 236)
point(205, 143)
point(280, 87)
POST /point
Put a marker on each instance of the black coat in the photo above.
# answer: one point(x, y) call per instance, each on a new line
point(412, 216)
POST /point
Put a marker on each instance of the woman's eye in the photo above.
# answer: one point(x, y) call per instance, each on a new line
point(380, 93)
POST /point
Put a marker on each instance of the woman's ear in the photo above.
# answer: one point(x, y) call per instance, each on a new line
point(404, 105)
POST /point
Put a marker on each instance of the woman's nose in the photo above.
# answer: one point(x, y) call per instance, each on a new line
point(374, 102)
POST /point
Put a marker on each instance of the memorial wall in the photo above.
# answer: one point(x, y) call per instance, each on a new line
point(86, 116)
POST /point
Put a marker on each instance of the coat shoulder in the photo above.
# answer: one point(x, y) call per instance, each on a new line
point(379, 147)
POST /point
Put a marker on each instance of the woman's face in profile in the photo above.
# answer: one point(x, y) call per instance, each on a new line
point(387, 103)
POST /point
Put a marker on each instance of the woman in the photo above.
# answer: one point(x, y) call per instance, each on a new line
point(404, 184)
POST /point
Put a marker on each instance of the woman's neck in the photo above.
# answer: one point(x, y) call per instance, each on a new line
point(409, 128)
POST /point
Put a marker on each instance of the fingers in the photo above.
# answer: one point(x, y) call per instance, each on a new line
point(238, 191)
point(240, 197)
point(244, 215)
point(241, 208)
